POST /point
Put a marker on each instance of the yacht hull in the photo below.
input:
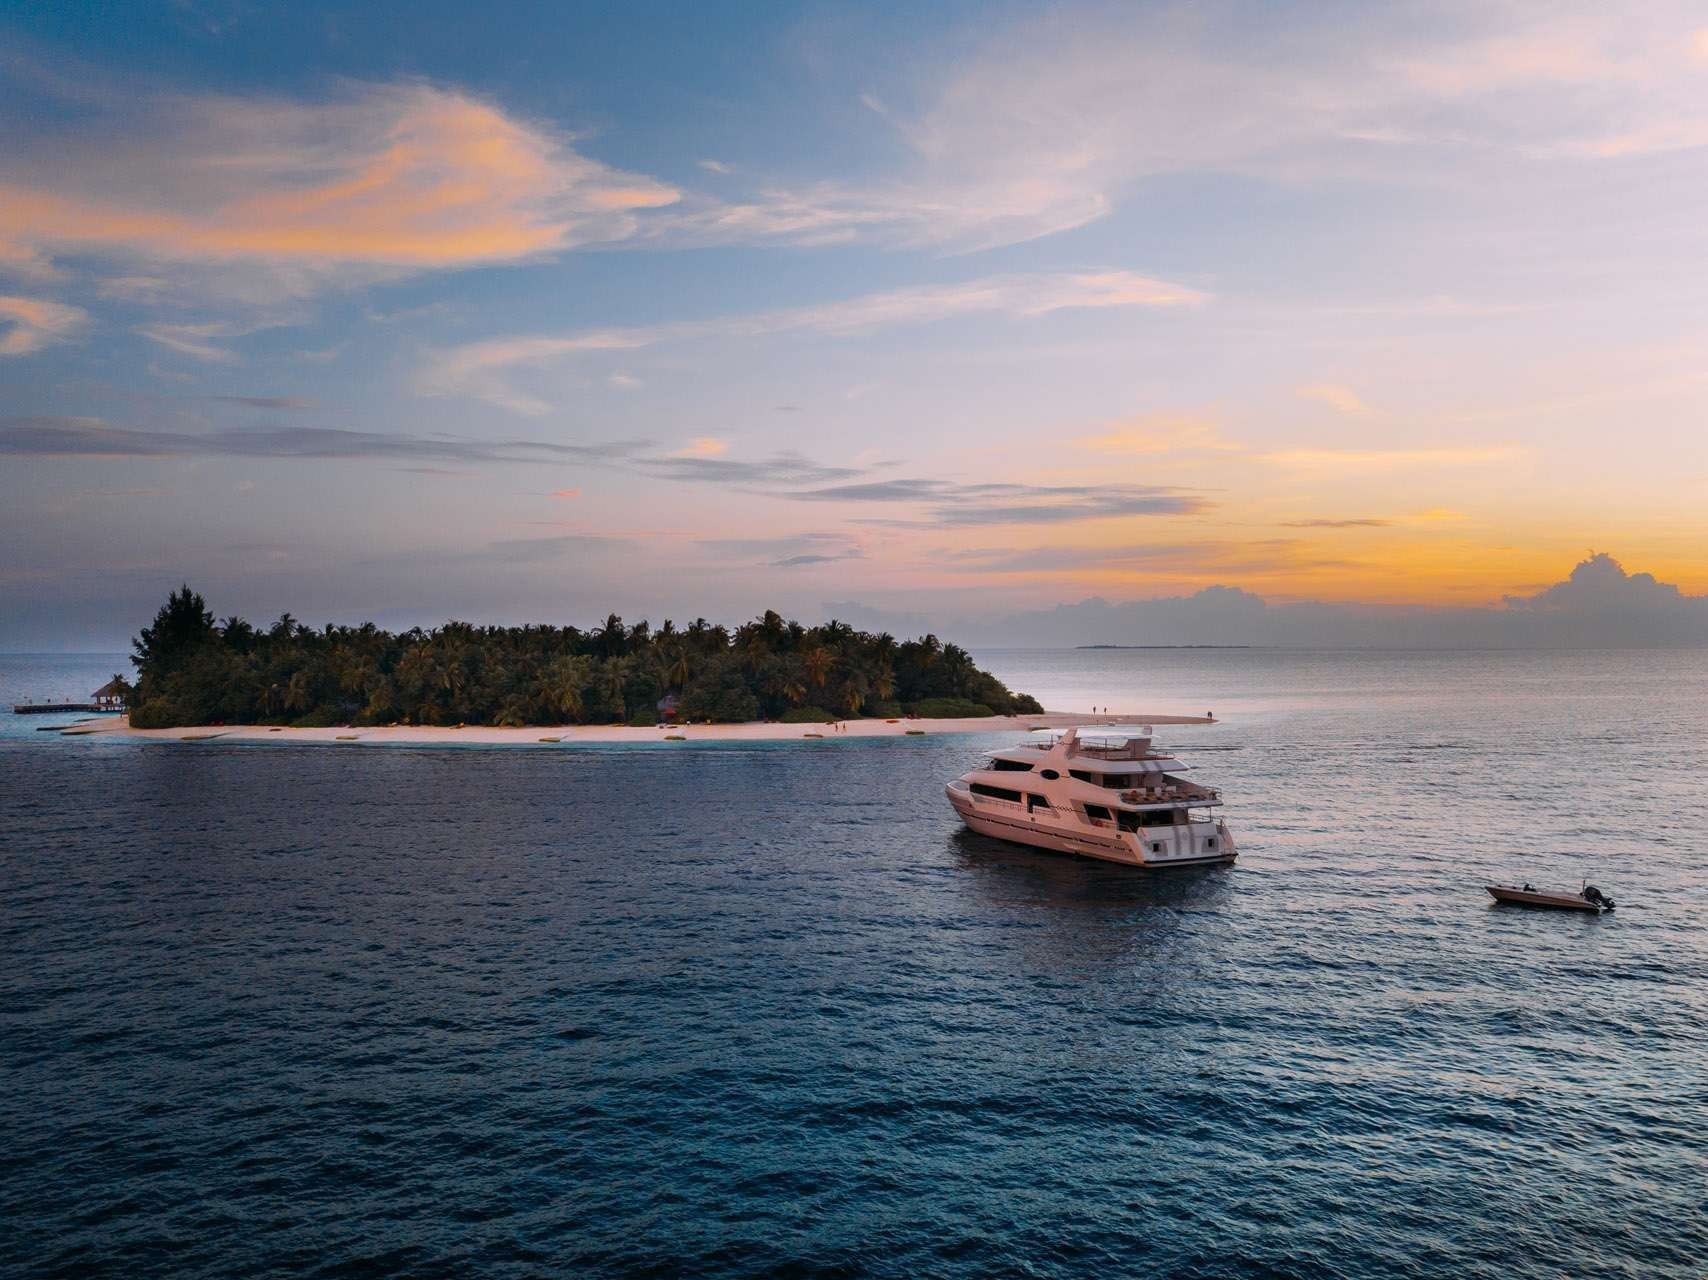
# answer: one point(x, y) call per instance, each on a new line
point(1084, 844)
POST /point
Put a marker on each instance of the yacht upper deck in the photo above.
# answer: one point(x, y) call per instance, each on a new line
point(1101, 744)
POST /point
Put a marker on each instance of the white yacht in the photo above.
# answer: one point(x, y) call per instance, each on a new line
point(1101, 793)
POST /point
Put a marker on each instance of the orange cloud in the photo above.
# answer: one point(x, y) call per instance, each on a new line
point(1365, 460)
point(1335, 396)
point(29, 324)
point(399, 176)
point(704, 447)
point(1156, 435)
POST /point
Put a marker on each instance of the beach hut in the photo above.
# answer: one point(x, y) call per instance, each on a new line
point(667, 707)
point(111, 696)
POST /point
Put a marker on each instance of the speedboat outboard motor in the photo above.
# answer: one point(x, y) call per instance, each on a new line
point(1592, 894)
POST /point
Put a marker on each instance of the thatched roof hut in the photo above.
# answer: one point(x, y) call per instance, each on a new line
point(112, 694)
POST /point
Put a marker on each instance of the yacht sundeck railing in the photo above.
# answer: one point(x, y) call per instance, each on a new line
point(1156, 795)
point(1126, 751)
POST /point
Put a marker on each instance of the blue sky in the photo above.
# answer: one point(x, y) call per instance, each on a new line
point(415, 311)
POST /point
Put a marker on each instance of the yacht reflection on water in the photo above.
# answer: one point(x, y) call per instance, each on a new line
point(1076, 915)
point(1102, 794)
point(1011, 873)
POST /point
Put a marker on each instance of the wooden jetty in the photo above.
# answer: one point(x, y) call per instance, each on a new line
point(109, 697)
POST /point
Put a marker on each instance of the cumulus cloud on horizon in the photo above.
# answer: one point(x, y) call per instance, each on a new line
point(1598, 605)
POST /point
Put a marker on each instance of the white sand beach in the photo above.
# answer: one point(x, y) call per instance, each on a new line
point(537, 735)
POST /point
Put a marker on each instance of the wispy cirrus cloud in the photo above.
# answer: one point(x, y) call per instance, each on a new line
point(64, 437)
point(198, 341)
point(951, 503)
point(1048, 124)
point(1368, 522)
point(785, 475)
point(292, 404)
point(485, 370)
point(794, 551)
point(801, 561)
point(29, 324)
point(785, 467)
point(381, 180)
point(91, 437)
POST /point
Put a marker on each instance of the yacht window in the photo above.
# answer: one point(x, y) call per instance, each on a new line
point(1049, 774)
point(1157, 817)
point(995, 793)
point(1036, 802)
point(1083, 776)
point(1097, 811)
point(1127, 820)
point(1011, 766)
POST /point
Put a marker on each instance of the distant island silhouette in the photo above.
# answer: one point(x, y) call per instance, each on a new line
point(1162, 646)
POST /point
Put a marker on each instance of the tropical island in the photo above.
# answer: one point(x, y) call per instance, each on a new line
point(192, 670)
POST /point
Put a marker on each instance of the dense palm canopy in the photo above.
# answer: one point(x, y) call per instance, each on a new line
point(194, 670)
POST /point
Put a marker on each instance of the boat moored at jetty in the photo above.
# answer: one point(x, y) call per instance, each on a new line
point(1100, 793)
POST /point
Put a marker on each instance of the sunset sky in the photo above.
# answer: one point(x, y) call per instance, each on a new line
point(954, 311)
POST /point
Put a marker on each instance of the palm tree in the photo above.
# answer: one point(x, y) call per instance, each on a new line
point(609, 682)
point(754, 651)
point(382, 697)
point(817, 664)
point(562, 687)
point(453, 676)
point(415, 668)
point(514, 713)
point(680, 669)
point(612, 638)
point(299, 693)
point(854, 693)
point(794, 691)
point(884, 683)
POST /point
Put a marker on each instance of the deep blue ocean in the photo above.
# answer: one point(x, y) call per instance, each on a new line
point(765, 1010)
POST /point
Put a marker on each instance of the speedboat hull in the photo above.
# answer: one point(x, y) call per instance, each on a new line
point(1513, 895)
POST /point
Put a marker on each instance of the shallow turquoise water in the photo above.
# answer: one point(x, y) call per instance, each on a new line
point(764, 1009)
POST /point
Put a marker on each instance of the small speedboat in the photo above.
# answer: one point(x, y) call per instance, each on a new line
point(1588, 899)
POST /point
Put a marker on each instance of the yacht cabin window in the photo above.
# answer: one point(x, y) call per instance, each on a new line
point(1110, 781)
